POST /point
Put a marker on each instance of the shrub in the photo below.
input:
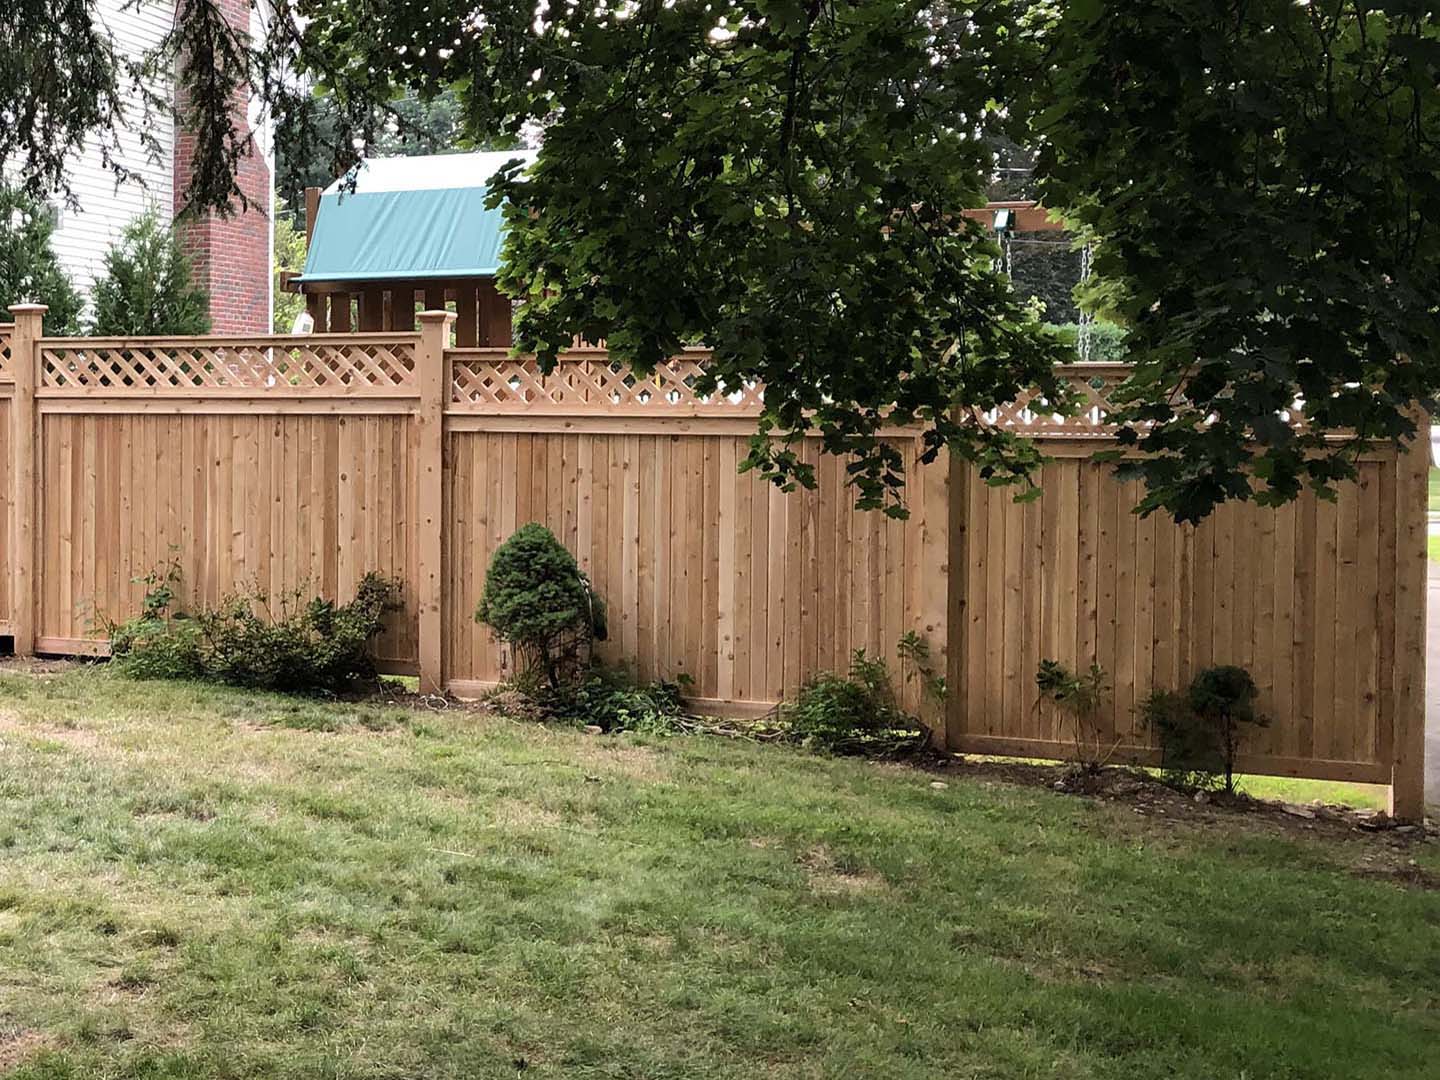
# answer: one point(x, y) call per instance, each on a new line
point(847, 714)
point(1080, 697)
point(148, 285)
point(1224, 700)
point(539, 602)
point(605, 697)
point(30, 272)
point(251, 641)
point(1188, 757)
point(1200, 731)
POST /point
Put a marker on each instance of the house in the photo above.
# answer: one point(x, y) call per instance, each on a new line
point(232, 256)
point(399, 235)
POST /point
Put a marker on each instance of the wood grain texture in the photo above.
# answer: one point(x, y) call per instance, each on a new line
point(694, 560)
point(1298, 595)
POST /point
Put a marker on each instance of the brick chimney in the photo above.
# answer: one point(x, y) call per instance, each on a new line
point(231, 255)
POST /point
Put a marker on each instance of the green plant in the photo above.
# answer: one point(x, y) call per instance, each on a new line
point(289, 255)
point(915, 665)
point(254, 640)
point(539, 602)
point(1107, 340)
point(850, 713)
point(1224, 698)
point(1080, 697)
point(1188, 758)
point(30, 272)
point(1200, 731)
point(148, 285)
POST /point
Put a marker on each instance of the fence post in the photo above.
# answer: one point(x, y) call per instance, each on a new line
point(1407, 778)
point(432, 373)
point(25, 357)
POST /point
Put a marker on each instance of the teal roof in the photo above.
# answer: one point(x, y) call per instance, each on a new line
point(392, 235)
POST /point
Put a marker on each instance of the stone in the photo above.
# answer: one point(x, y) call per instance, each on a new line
point(1298, 811)
point(594, 729)
point(939, 785)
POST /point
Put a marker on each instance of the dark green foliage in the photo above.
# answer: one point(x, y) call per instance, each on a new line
point(1081, 697)
point(248, 640)
point(148, 286)
point(782, 179)
point(1189, 757)
point(605, 697)
point(851, 713)
point(777, 195)
point(58, 86)
point(29, 271)
point(539, 602)
point(1263, 180)
point(1200, 732)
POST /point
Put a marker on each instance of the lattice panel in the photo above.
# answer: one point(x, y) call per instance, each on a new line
point(495, 383)
point(1092, 383)
point(7, 371)
point(208, 364)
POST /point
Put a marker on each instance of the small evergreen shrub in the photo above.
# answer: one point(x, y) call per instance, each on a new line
point(1188, 757)
point(148, 285)
point(1200, 731)
point(1080, 697)
point(30, 271)
point(850, 713)
point(539, 602)
point(251, 640)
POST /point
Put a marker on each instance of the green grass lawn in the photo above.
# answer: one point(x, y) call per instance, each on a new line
point(203, 883)
point(1434, 490)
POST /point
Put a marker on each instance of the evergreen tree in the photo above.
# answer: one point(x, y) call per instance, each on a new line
point(29, 271)
point(148, 285)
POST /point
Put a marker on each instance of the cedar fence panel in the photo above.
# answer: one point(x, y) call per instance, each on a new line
point(1304, 596)
point(286, 463)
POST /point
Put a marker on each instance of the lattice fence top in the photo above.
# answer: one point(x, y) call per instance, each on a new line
point(7, 370)
point(348, 364)
point(588, 381)
point(1093, 384)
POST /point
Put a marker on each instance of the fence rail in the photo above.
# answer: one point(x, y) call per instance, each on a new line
point(288, 462)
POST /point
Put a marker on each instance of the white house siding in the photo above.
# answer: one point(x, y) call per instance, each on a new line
point(86, 233)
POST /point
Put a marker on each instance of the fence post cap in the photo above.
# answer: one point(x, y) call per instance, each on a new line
point(26, 309)
point(430, 316)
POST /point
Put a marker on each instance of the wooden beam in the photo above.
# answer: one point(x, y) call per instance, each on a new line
point(433, 371)
point(1027, 215)
point(494, 316)
point(25, 362)
point(1407, 781)
point(312, 211)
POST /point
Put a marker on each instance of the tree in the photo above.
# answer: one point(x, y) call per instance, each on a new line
point(539, 601)
point(783, 179)
point(29, 269)
point(148, 285)
point(289, 255)
point(1262, 179)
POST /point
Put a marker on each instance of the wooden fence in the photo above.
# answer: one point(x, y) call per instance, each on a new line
point(304, 462)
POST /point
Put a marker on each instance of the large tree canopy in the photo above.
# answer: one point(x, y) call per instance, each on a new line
point(782, 179)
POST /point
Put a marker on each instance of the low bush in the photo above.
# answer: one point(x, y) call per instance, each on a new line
point(1201, 731)
point(253, 640)
point(851, 713)
point(1081, 697)
point(539, 602)
point(605, 697)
